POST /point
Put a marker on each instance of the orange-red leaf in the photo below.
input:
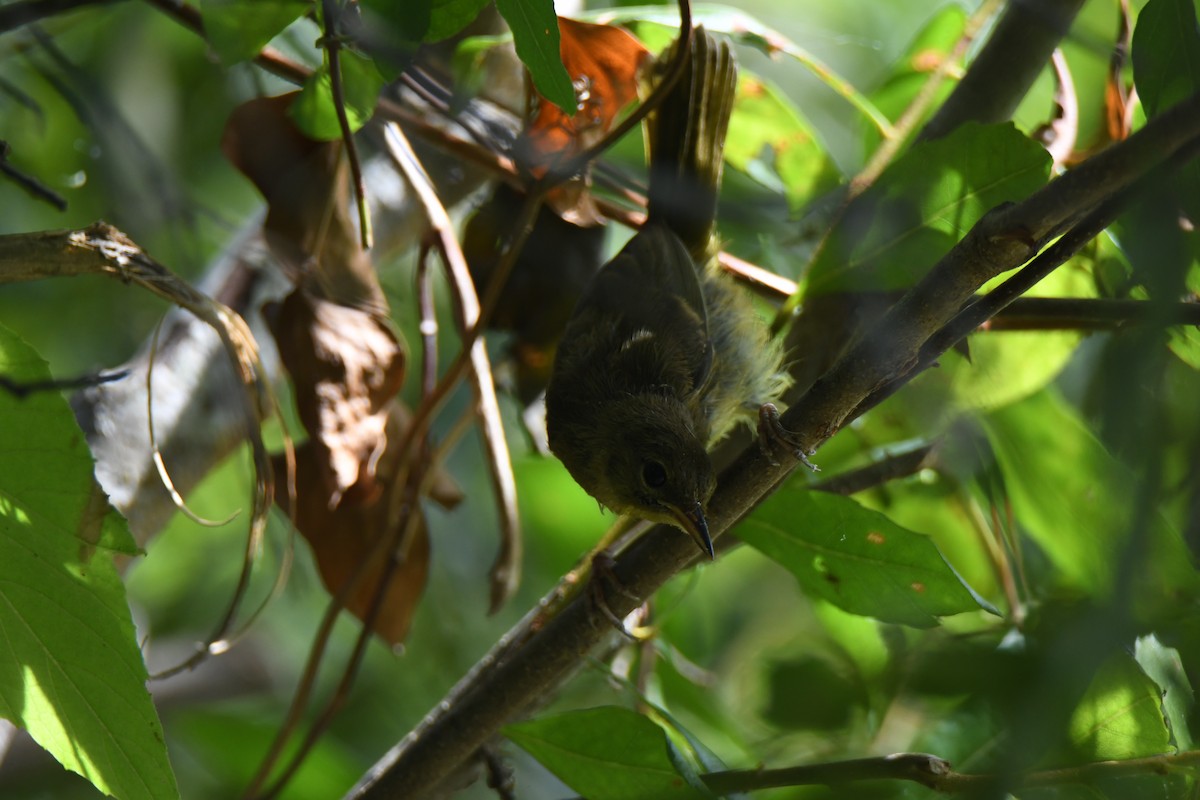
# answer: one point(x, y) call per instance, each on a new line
point(603, 62)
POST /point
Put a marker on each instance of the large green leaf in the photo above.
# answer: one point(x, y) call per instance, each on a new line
point(1166, 54)
point(923, 204)
point(1120, 715)
point(70, 669)
point(857, 559)
point(535, 34)
point(239, 29)
point(609, 753)
point(1076, 501)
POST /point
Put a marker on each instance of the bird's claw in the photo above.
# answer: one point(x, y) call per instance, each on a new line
point(602, 571)
point(773, 438)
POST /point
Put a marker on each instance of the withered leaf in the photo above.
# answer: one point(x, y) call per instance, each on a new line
point(346, 365)
point(604, 63)
point(306, 186)
point(343, 543)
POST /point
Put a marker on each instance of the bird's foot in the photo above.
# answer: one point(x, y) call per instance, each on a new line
point(773, 438)
point(603, 578)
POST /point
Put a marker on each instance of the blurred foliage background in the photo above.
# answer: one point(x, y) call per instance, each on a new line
point(121, 110)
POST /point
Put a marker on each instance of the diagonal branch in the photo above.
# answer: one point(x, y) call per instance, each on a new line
point(528, 663)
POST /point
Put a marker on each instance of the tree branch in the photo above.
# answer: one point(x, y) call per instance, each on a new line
point(1000, 76)
point(935, 773)
point(527, 663)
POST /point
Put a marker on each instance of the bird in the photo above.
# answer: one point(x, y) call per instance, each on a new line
point(663, 354)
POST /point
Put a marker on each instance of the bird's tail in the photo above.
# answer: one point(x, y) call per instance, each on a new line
point(687, 141)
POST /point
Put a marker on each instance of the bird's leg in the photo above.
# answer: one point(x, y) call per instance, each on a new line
point(602, 575)
point(582, 576)
point(773, 437)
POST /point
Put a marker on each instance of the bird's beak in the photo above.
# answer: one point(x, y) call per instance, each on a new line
point(692, 521)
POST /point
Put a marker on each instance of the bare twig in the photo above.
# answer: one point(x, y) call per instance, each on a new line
point(104, 250)
point(1014, 55)
point(937, 774)
point(506, 569)
point(21, 389)
point(30, 184)
point(332, 12)
point(26, 12)
point(916, 110)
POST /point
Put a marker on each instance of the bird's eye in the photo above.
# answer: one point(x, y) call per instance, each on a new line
point(654, 474)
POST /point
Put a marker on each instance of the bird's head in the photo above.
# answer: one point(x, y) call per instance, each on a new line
point(657, 467)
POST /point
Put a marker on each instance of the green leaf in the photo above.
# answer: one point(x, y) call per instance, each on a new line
point(70, 669)
point(609, 753)
point(928, 49)
point(1166, 54)
point(923, 204)
point(857, 559)
point(771, 142)
point(448, 17)
point(1165, 667)
point(314, 111)
point(239, 29)
point(535, 34)
point(1120, 715)
point(1076, 501)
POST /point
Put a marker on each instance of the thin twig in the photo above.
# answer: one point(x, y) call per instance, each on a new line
point(23, 389)
point(26, 12)
point(30, 184)
point(505, 574)
point(333, 45)
point(936, 773)
point(102, 249)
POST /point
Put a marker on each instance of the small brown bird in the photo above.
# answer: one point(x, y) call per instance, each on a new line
point(663, 354)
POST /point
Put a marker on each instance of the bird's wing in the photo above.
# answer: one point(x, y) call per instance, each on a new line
point(653, 290)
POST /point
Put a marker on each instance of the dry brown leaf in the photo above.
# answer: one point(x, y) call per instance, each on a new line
point(343, 540)
point(603, 62)
point(306, 186)
point(346, 366)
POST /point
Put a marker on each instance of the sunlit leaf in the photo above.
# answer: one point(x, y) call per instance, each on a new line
point(314, 110)
point(609, 753)
point(770, 141)
point(924, 204)
point(1120, 715)
point(71, 672)
point(535, 34)
point(605, 61)
point(931, 46)
point(1165, 667)
point(238, 29)
point(857, 559)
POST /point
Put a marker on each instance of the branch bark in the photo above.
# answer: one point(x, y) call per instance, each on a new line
point(1000, 76)
point(527, 663)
